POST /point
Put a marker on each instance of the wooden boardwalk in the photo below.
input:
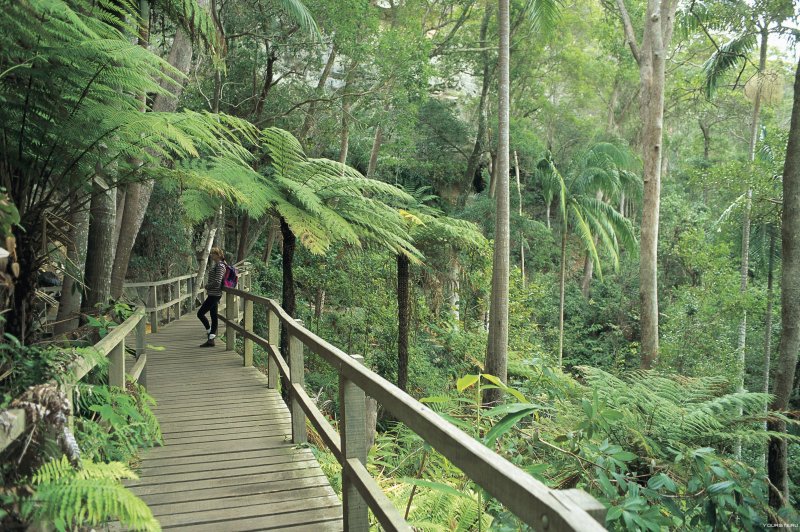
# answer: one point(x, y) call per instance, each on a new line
point(227, 463)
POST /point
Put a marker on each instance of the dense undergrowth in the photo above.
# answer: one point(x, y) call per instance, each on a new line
point(49, 478)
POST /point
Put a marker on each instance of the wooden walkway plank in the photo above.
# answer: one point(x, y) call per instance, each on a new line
point(227, 462)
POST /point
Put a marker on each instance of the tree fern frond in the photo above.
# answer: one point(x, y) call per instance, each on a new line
point(729, 56)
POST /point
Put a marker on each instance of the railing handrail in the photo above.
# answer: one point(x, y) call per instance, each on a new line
point(113, 346)
point(532, 501)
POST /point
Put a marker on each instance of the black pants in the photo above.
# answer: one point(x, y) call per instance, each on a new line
point(209, 305)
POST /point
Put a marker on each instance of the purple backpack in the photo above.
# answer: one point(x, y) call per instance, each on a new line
point(231, 276)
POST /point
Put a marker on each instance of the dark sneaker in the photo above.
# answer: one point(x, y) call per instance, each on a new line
point(209, 343)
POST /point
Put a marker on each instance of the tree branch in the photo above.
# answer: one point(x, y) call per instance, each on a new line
point(630, 36)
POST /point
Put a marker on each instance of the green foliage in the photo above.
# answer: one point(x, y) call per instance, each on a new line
point(90, 495)
point(114, 423)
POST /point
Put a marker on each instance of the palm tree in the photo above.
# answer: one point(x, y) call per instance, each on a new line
point(589, 217)
point(427, 227)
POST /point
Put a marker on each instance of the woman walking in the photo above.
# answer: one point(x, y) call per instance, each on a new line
point(213, 295)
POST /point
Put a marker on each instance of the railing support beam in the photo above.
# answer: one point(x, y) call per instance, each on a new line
point(353, 433)
point(141, 350)
point(232, 314)
point(248, 326)
point(274, 337)
point(116, 368)
point(153, 303)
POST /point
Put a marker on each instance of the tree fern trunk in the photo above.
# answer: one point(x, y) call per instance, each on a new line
point(402, 321)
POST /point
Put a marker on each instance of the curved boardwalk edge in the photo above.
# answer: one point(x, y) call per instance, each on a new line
point(228, 462)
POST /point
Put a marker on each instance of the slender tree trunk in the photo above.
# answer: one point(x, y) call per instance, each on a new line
point(547, 203)
point(790, 305)
point(100, 250)
point(651, 57)
point(521, 232)
point(768, 322)
point(477, 149)
point(497, 352)
point(71, 289)
point(373, 155)
point(344, 136)
point(562, 284)
point(454, 296)
point(402, 321)
point(138, 195)
point(741, 344)
point(770, 298)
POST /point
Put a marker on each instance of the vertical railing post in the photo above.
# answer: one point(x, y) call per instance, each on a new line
point(296, 378)
point(248, 326)
point(190, 289)
point(352, 428)
point(177, 299)
point(116, 368)
point(274, 333)
point(141, 350)
point(232, 314)
point(153, 303)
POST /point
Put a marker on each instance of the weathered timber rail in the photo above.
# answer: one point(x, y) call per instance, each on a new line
point(534, 503)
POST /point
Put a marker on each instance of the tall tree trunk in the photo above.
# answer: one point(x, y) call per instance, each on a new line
point(72, 289)
point(562, 284)
point(770, 298)
point(402, 321)
point(477, 149)
point(548, 203)
point(521, 232)
point(651, 57)
point(376, 148)
point(497, 352)
point(790, 305)
point(741, 344)
point(138, 195)
point(100, 250)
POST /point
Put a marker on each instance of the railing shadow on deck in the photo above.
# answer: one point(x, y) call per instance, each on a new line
point(533, 502)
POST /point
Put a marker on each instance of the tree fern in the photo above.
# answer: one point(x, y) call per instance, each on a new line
point(91, 495)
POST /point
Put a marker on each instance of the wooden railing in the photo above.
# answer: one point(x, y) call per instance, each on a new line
point(13, 422)
point(534, 503)
point(179, 299)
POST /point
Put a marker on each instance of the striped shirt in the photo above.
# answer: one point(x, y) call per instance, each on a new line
point(215, 276)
